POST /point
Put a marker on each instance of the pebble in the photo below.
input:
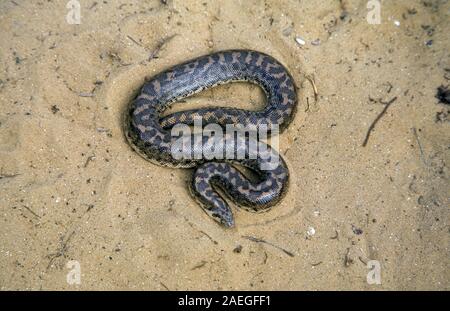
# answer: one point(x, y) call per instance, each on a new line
point(311, 231)
point(316, 42)
point(300, 41)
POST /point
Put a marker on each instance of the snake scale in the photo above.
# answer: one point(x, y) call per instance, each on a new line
point(149, 132)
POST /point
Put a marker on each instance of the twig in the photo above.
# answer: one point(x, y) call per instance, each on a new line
point(422, 154)
point(257, 240)
point(200, 231)
point(115, 56)
point(347, 260)
point(61, 251)
point(8, 175)
point(159, 47)
point(131, 38)
point(390, 86)
point(153, 54)
point(372, 126)
point(362, 260)
point(31, 211)
point(164, 285)
point(201, 264)
point(88, 160)
point(313, 83)
point(265, 257)
point(208, 236)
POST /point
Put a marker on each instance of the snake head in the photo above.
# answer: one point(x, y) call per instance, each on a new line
point(222, 215)
point(225, 219)
point(208, 198)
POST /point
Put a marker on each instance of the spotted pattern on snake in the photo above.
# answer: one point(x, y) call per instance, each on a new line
point(149, 132)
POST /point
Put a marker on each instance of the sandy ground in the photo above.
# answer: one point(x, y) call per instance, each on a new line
point(72, 189)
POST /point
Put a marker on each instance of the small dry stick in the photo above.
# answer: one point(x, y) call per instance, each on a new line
point(164, 285)
point(201, 264)
point(347, 260)
point(159, 47)
point(263, 241)
point(88, 160)
point(135, 42)
point(31, 211)
point(61, 251)
point(336, 236)
point(313, 83)
point(420, 145)
point(209, 237)
point(372, 126)
point(8, 175)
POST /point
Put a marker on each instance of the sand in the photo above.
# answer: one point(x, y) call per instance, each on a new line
point(71, 188)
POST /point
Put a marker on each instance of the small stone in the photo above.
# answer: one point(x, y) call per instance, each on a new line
point(300, 41)
point(356, 231)
point(237, 249)
point(311, 231)
point(316, 42)
point(54, 109)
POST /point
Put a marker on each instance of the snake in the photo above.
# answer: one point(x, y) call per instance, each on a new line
point(247, 181)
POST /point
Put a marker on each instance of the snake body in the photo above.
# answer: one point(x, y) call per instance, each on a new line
point(149, 132)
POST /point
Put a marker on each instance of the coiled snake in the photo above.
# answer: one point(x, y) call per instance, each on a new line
point(149, 133)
